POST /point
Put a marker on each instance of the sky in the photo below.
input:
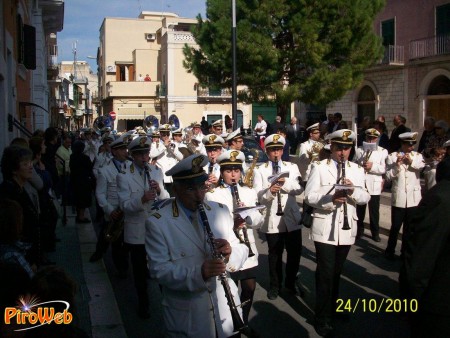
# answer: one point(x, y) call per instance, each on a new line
point(83, 18)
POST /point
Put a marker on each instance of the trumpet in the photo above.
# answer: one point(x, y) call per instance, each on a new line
point(238, 324)
point(276, 170)
point(238, 203)
point(346, 225)
point(250, 175)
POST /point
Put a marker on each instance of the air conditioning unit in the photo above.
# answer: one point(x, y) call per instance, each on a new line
point(150, 36)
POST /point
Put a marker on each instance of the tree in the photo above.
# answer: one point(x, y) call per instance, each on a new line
point(308, 50)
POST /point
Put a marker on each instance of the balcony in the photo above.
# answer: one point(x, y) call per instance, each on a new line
point(393, 55)
point(207, 94)
point(432, 46)
point(132, 88)
point(178, 37)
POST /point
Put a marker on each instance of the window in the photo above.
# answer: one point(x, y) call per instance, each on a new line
point(388, 32)
point(443, 20)
point(366, 104)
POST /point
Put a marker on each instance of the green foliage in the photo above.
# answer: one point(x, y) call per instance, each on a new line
point(308, 50)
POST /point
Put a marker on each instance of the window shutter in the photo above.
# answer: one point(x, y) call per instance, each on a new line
point(29, 33)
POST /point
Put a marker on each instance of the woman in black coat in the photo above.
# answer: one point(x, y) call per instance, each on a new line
point(82, 180)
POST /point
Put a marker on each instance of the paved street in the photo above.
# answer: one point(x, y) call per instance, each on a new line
point(367, 275)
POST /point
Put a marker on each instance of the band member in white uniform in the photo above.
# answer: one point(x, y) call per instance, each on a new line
point(90, 147)
point(334, 224)
point(403, 169)
point(197, 132)
point(178, 246)
point(214, 147)
point(236, 142)
point(108, 200)
point(309, 150)
point(234, 195)
point(217, 127)
point(138, 187)
point(281, 216)
point(103, 158)
point(171, 155)
point(373, 159)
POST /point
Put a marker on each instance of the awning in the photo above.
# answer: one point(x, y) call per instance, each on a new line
point(135, 113)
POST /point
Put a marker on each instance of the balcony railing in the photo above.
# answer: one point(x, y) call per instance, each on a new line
point(213, 93)
point(132, 88)
point(432, 46)
point(52, 57)
point(393, 55)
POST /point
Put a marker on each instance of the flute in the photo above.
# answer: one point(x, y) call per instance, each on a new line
point(237, 202)
point(238, 324)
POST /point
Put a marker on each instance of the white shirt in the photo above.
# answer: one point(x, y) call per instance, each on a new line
point(263, 126)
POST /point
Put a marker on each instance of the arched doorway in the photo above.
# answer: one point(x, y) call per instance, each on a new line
point(366, 104)
point(438, 98)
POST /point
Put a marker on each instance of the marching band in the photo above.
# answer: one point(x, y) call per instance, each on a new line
point(191, 204)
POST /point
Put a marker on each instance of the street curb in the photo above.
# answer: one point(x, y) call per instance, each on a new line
point(104, 312)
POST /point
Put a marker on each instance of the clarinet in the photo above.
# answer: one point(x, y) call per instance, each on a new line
point(237, 200)
point(147, 175)
point(345, 226)
point(276, 169)
point(238, 324)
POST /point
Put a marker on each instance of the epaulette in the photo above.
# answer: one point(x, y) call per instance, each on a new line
point(161, 203)
point(267, 164)
point(220, 205)
point(284, 163)
point(175, 211)
point(155, 214)
point(132, 168)
point(328, 161)
point(207, 206)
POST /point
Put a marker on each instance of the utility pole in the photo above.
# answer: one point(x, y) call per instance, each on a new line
point(234, 80)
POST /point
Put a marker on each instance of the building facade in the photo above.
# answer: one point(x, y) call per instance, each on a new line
point(413, 77)
point(142, 78)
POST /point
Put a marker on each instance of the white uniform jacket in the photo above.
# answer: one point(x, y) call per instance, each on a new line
point(328, 218)
point(106, 188)
point(406, 190)
point(100, 161)
point(374, 178)
point(291, 188)
point(168, 159)
point(192, 307)
point(90, 149)
point(131, 186)
point(304, 162)
point(215, 170)
point(248, 197)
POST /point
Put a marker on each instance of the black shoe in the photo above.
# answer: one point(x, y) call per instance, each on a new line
point(324, 330)
point(272, 294)
point(376, 238)
point(82, 220)
point(296, 291)
point(96, 256)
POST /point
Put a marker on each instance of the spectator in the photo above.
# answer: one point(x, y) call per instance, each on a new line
point(140, 78)
point(147, 78)
point(400, 128)
point(383, 140)
point(382, 120)
point(276, 125)
point(425, 274)
point(82, 179)
point(204, 126)
point(17, 169)
point(440, 135)
point(12, 250)
point(62, 164)
point(328, 124)
point(428, 132)
point(260, 130)
point(293, 135)
point(337, 117)
point(49, 157)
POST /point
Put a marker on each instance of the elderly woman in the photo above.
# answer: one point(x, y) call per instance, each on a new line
point(440, 135)
point(17, 169)
point(82, 179)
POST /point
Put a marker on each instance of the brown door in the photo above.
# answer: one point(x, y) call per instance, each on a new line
point(439, 109)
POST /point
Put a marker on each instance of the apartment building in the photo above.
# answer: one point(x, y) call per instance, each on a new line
point(28, 30)
point(413, 78)
point(151, 46)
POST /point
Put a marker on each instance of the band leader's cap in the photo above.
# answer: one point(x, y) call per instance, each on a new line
point(120, 142)
point(213, 141)
point(190, 169)
point(410, 137)
point(274, 141)
point(231, 159)
point(342, 136)
point(234, 135)
point(313, 127)
point(372, 132)
point(139, 144)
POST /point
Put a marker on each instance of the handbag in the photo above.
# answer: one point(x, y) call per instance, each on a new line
point(307, 218)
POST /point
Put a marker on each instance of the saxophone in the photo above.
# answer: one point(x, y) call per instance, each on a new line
point(250, 175)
